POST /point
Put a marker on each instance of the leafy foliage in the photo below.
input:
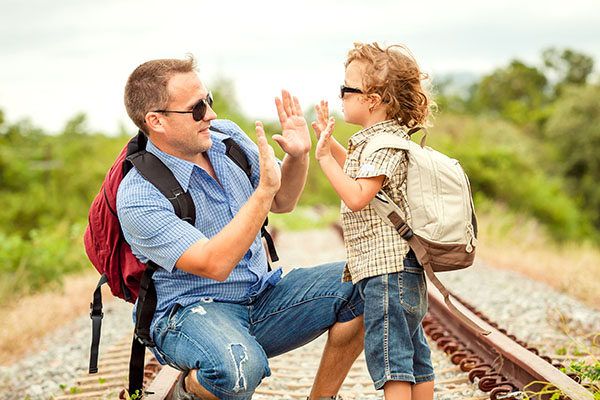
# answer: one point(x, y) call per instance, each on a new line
point(48, 182)
point(574, 129)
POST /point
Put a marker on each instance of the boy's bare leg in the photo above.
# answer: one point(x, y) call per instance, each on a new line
point(423, 391)
point(397, 390)
point(344, 343)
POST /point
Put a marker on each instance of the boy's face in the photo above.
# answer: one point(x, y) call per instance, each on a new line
point(355, 105)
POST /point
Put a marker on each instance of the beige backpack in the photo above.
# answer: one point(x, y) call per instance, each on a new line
point(443, 231)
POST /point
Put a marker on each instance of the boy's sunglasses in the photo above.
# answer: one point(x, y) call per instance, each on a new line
point(198, 111)
point(345, 89)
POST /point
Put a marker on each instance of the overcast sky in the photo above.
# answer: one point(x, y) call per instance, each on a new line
point(61, 57)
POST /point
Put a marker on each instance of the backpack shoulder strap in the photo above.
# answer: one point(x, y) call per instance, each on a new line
point(382, 141)
point(235, 152)
point(156, 172)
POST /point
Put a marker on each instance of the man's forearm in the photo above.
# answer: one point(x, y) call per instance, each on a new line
point(216, 257)
point(293, 177)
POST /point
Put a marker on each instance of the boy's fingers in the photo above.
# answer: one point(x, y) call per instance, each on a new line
point(316, 127)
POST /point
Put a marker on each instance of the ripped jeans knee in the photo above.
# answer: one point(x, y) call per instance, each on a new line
point(213, 338)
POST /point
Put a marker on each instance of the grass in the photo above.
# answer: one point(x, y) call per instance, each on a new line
point(506, 241)
point(520, 244)
point(29, 318)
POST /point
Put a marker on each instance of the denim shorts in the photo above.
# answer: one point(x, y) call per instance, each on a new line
point(229, 343)
point(395, 345)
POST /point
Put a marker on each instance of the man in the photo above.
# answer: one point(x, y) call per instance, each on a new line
point(220, 312)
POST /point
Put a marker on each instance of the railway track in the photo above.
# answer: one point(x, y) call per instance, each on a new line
point(467, 366)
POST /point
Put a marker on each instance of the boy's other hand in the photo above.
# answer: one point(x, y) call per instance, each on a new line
point(323, 149)
point(322, 116)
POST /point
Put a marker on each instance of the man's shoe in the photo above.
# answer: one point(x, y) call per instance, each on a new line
point(179, 392)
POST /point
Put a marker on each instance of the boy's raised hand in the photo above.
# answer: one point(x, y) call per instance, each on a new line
point(323, 148)
point(295, 137)
point(322, 116)
point(270, 173)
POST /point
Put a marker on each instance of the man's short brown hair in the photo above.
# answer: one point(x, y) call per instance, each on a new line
point(146, 88)
point(394, 74)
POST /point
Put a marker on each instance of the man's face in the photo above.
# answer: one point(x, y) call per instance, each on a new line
point(183, 134)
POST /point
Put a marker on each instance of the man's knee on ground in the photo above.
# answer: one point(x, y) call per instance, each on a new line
point(238, 373)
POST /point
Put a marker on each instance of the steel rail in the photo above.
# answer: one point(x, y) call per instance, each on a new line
point(502, 365)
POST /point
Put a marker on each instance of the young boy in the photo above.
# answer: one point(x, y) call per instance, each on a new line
point(382, 92)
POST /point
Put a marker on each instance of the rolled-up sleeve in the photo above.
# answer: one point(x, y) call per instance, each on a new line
point(385, 161)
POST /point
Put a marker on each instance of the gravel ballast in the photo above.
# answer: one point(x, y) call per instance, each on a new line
point(527, 309)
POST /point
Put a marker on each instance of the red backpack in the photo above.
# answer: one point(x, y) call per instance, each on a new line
point(104, 243)
point(111, 255)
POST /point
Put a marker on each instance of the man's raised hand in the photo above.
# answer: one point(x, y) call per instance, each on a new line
point(270, 173)
point(294, 138)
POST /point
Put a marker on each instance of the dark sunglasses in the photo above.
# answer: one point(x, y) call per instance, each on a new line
point(345, 89)
point(198, 111)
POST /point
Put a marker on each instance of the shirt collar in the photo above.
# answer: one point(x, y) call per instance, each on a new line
point(389, 126)
point(182, 169)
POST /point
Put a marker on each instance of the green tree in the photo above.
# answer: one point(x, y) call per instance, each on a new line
point(570, 67)
point(574, 128)
point(516, 93)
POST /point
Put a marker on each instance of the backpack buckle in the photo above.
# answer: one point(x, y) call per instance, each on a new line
point(95, 313)
point(145, 341)
point(404, 230)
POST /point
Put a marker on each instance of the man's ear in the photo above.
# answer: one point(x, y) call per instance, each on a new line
point(154, 121)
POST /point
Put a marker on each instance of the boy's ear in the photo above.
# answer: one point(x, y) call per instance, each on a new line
point(374, 101)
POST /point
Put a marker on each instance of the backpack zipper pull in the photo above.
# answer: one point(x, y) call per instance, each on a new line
point(471, 239)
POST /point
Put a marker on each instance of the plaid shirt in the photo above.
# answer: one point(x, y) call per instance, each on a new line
point(372, 246)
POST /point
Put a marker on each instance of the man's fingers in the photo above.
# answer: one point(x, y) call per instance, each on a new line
point(287, 102)
point(297, 107)
point(283, 116)
point(261, 138)
point(264, 148)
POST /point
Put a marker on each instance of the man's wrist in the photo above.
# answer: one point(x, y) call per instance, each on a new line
point(300, 156)
point(265, 193)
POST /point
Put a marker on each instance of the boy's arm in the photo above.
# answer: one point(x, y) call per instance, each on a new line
point(356, 194)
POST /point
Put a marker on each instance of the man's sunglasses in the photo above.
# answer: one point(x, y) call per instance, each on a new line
point(345, 89)
point(198, 111)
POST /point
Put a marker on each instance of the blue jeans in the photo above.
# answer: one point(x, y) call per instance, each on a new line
point(229, 343)
point(395, 345)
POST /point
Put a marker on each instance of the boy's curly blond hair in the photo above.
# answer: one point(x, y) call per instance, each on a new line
point(393, 73)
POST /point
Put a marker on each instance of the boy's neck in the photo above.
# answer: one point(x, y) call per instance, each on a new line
point(375, 118)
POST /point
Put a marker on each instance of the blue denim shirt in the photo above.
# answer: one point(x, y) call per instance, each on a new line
point(154, 231)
